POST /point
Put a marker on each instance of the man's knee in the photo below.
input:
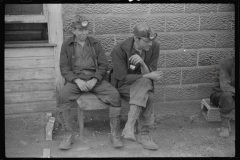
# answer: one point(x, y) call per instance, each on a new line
point(114, 97)
point(226, 96)
point(144, 80)
point(115, 94)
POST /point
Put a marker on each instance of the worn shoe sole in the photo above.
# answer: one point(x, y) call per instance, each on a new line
point(130, 138)
point(116, 145)
point(68, 146)
point(147, 147)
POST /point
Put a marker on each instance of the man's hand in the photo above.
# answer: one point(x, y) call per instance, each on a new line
point(155, 75)
point(91, 83)
point(135, 59)
point(83, 86)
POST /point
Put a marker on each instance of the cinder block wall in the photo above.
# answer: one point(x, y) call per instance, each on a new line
point(193, 39)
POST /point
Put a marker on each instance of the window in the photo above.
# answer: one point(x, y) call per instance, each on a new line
point(23, 9)
point(25, 23)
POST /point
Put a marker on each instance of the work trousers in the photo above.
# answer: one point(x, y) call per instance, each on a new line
point(139, 93)
point(225, 102)
point(104, 91)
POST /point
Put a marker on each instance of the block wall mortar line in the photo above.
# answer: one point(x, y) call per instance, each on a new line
point(184, 8)
point(165, 29)
point(164, 94)
point(199, 22)
point(181, 76)
point(197, 58)
point(149, 10)
point(232, 21)
point(215, 40)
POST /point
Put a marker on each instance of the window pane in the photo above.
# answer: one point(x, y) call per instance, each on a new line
point(23, 9)
point(26, 32)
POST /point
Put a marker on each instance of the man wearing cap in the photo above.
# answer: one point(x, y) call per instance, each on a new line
point(223, 95)
point(83, 65)
point(134, 70)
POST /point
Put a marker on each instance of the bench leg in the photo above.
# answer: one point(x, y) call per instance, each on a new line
point(80, 122)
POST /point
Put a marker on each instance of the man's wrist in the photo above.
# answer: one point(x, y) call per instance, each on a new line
point(95, 79)
point(76, 80)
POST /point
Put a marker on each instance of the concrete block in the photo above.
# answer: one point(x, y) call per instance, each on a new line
point(226, 7)
point(102, 8)
point(199, 40)
point(181, 108)
point(161, 60)
point(84, 8)
point(107, 41)
point(198, 75)
point(213, 56)
point(200, 8)
point(158, 93)
point(182, 23)
point(182, 58)
point(225, 39)
point(166, 8)
point(180, 93)
point(69, 8)
point(112, 25)
point(120, 38)
point(216, 21)
point(233, 22)
point(205, 90)
point(170, 76)
point(130, 8)
point(157, 23)
point(170, 41)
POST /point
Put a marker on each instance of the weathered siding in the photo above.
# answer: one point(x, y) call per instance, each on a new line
point(29, 80)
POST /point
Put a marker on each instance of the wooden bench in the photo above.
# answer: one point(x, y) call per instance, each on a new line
point(89, 101)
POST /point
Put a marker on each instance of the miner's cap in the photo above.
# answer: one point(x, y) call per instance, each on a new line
point(80, 22)
point(143, 30)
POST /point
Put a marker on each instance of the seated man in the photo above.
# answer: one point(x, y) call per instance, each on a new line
point(223, 95)
point(83, 65)
point(134, 69)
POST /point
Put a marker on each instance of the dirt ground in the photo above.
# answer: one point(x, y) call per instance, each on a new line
point(177, 136)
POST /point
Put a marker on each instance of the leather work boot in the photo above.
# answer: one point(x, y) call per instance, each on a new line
point(128, 131)
point(226, 128)
point(115, 132)
point(145, 139)
point(68, 139)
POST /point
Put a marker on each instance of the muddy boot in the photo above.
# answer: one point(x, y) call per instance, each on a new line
point(145, 139)
point(226, 128)
point(128, 131)
point(115, 132)
point(68, 139)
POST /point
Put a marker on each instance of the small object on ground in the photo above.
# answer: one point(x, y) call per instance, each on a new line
point(49, 128)
point(46, 153)
point(211, 113)
point(23, 142)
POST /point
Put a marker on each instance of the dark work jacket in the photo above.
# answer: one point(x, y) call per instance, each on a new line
point(226, 75)
point(120, 59)
point(68, 58)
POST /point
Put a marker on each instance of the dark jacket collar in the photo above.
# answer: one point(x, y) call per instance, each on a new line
point(127, 45)
point(91, 40)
